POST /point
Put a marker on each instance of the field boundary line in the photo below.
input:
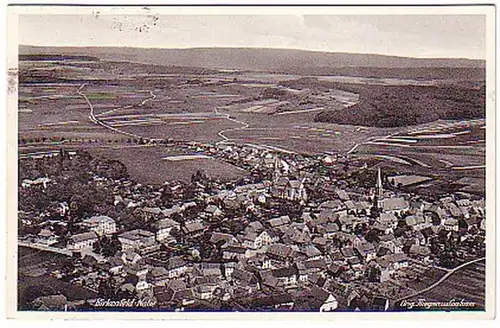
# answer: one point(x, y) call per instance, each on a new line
point(443, 278)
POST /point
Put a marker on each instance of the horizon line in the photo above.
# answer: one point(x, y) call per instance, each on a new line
point(249, 47)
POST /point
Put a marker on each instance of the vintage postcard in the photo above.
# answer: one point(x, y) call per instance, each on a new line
point(256, 162)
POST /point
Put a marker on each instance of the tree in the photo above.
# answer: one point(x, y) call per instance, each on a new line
point(448, 259)
point(109, 246)
point(108, 288)
point(76, 256)
point(207, 249)
point(360, 229)
point(167, 196)
point(190, 191)
point(97, 247)
point(373, 274)
point(198, 176)
point(374, 212)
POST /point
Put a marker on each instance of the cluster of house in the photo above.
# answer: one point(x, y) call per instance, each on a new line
point(312, 261)
point(97, 226)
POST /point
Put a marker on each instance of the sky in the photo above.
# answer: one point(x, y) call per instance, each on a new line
point(423, 36)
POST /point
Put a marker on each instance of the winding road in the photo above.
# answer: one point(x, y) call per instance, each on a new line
point(152, 97)
point(370, 140)
point(228, 117)
point(95, 120)
point(244, 126)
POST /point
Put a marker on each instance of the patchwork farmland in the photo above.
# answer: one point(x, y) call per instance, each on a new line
point(264, 109)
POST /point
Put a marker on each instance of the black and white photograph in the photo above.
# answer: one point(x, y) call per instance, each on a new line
point(177, 160)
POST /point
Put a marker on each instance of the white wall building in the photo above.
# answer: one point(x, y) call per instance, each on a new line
point(101, 225)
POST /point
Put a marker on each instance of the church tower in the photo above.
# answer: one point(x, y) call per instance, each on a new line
point(379, 188)
point(277, 168)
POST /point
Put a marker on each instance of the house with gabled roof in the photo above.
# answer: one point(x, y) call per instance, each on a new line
point(325, 216)
point(452, 209)
point(311, 252)
point(176, 295)
point(158, 276)
point(342, 194)
point(294, 235)
point(389, 264)
point(100, 224)
point(82, 241)
point(151, 213)
point(279, 221)
point(280, 252)
point(395, 245)
point(224, 238)
point(348, 252)
point(255, 226)
point(287, 276)
point(346, 222)
point(316, 299)
point(328, 230)
point(234, 253)
point(171, 211)
point(137, 239)
point(394, 205)
point(250, 240)
point(193, 228)
point(388, 219)
point(366, 251)
point(164, 228)
point(176, 266)
point(204, 291)
point(418, 221)
point(268, 279)
point(293, 190)
point(213, 211)
point(320, 242)
point(46, 237)
point(129, 257)
point(210, 269)
point(245, 279)
point(310, 267)
point(451, 224)
point(420, 252)
point(332, 205)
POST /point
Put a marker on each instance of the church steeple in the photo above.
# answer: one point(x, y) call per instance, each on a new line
point(277, 169)
point(379, 192)
point(379, 186)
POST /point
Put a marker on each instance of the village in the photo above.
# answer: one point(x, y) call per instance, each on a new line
point(298, 233)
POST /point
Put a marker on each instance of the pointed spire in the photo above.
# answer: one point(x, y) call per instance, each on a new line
point(277, 169)
point(380, 188)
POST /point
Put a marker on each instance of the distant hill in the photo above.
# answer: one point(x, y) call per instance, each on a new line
point(392, 106)
point(254, 59)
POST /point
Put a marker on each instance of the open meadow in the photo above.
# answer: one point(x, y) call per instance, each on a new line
point(155, 164)
point(103, 106)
